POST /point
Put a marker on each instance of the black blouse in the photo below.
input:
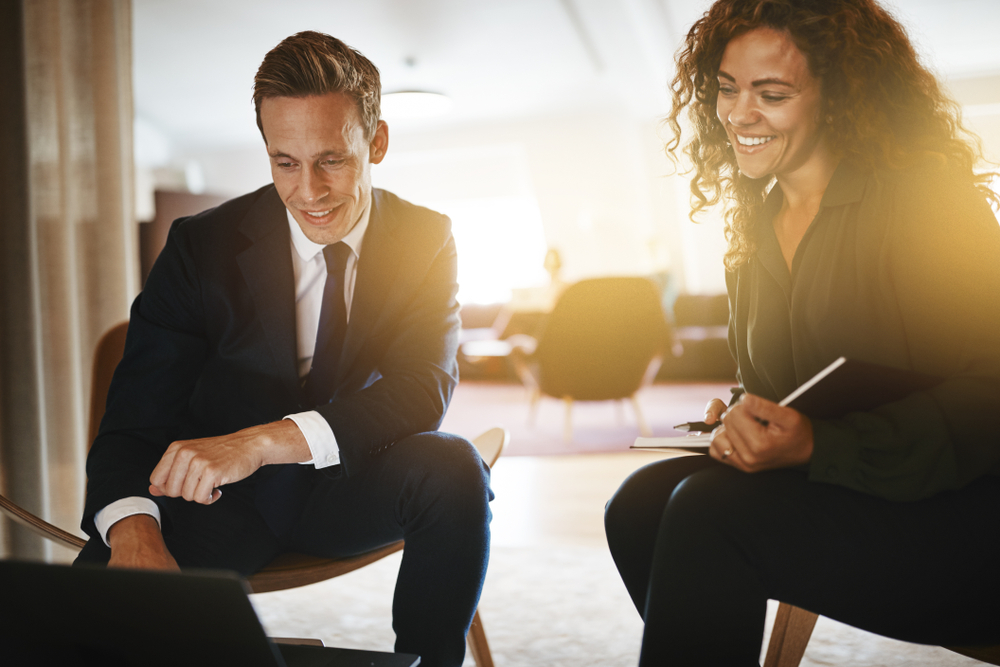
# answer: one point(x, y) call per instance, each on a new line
point(897, 268)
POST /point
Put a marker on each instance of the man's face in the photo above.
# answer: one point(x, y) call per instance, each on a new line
point(321, 161)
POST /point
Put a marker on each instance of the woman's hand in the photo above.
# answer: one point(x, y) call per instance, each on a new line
point(714, 411)
point(757, 434)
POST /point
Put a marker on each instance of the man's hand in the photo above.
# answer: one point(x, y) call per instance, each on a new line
point(136, 542)
point(757, 434)
point(195, 469)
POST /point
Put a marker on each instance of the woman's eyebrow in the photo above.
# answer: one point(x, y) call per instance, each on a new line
point(772, 81)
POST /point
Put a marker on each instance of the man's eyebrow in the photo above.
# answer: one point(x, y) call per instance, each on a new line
point(758, 82)
point(320, 155)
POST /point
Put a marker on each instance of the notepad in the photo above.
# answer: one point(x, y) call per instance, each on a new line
point(845, 386)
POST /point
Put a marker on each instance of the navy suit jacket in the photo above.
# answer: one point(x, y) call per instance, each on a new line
point(211, 345)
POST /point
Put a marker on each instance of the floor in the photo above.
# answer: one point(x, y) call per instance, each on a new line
point(544, 501)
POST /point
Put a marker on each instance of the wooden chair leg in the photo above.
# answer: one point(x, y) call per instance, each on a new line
point(533, 399)
point(644, 429)
point(568, 425)
point(478, 644)
point(792, 629)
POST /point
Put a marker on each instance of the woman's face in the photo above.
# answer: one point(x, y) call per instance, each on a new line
point(769, 104)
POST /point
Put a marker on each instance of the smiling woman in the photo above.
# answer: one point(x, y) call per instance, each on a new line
point(879, 107)
point(857, 227)
point(769, 104)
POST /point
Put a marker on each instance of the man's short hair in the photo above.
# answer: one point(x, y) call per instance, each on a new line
point(312, 63)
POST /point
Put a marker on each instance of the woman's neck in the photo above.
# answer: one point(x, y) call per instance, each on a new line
point(802, 193)
point(803, 188)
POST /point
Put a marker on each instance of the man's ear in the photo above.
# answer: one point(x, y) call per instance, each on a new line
point(379, 144)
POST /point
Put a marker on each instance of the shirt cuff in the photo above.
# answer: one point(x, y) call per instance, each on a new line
point(120, 509)
point(319, 436)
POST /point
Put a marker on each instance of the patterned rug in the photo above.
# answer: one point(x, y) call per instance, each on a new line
point(550, 607)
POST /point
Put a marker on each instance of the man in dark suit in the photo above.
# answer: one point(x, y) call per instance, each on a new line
point(287, 364)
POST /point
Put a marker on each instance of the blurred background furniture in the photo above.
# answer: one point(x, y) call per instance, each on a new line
point(701, 333)
point(697, 338)
point(793, 626)
point(169, 206)
point(603, 341)
point(287, 570)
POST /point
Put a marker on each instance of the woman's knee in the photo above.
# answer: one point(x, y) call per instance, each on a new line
point(624, 510)
point(636, 507)
point(724, 500)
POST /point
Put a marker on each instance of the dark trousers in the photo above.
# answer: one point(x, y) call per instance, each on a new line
point(431, 489)
point(701, 547)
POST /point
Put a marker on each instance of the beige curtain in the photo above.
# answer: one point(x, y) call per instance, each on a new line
point(69, 254)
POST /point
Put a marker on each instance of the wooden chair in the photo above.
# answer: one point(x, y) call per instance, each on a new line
point(603, 341)
point(288, 570)
point(793, 627)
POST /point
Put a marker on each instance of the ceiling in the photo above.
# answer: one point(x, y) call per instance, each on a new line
point(194, 60)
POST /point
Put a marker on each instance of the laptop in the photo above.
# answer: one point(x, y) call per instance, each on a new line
point(62, 615)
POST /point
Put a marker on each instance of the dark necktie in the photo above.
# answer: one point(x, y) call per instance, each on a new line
point(332, 327)
point(282, 493)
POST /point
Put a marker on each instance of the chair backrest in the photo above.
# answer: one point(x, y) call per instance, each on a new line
point(108, 353)
point(600, 338)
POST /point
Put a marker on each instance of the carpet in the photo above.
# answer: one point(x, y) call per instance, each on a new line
point(598, 426)
point(550, 607)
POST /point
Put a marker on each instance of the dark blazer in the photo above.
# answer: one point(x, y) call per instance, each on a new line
point(898, 268)
point(211, 345)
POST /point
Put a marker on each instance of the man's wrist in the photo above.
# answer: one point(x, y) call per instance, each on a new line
point(283, 442)
point(120, 509)
point(132, 529)
point(136, 542)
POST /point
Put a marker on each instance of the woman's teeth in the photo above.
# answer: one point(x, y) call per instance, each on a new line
point(752, 141)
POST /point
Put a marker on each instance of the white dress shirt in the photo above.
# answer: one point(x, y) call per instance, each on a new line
point(309, 268)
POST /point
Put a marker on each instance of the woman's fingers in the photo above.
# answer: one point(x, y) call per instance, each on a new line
point(724, 449)
point(714, 411)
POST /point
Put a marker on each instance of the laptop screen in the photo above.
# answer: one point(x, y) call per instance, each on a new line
point(85, 615)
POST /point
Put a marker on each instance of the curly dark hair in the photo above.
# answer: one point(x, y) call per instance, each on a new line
point(884, 110)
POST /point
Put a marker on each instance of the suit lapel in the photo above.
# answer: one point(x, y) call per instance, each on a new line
point(267, 269)
point(377, 269)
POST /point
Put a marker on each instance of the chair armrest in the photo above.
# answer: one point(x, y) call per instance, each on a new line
point(40, 526)
point(491, 444)
point(988, 654)
point(297, 641)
